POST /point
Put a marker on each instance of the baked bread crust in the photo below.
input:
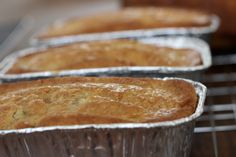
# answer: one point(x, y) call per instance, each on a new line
point(99, 54)
point(91, 100)
point(129, 19)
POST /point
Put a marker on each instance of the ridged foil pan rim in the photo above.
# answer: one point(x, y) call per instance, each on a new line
point(199, 88)
point(174, 42)
point(215, 22)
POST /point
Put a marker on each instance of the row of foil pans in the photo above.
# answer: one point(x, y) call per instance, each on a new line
point(164, 139)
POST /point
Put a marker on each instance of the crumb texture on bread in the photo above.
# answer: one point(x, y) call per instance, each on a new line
point(132, 18)
point(99, 54)
point(88, 100)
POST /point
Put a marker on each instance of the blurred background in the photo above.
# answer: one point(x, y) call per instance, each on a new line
point(226, 9)
point(43, 11)
point(13, 10)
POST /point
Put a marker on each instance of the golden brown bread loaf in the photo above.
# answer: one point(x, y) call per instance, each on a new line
point(129, 19)
point(99, 54)
point(88, 100)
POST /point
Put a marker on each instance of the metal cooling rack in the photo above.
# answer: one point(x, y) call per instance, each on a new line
point(220, 109)
point(221, 97)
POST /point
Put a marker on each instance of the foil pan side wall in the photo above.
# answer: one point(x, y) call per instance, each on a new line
point(163, 141)
point(202, 32)
point(175, 42)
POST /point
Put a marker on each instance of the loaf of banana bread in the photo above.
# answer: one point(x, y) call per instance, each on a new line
point(91, 100)
point(100, 54)
point(128, 19)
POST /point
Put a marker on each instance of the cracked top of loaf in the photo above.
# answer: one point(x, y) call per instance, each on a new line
point(91, 100)
point(99, 54)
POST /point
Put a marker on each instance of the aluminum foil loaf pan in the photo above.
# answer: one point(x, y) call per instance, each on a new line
point(132, 71)
point(162, 139)
point(199, 32)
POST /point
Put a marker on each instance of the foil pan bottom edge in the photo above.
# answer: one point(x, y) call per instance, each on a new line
point(164, 142)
